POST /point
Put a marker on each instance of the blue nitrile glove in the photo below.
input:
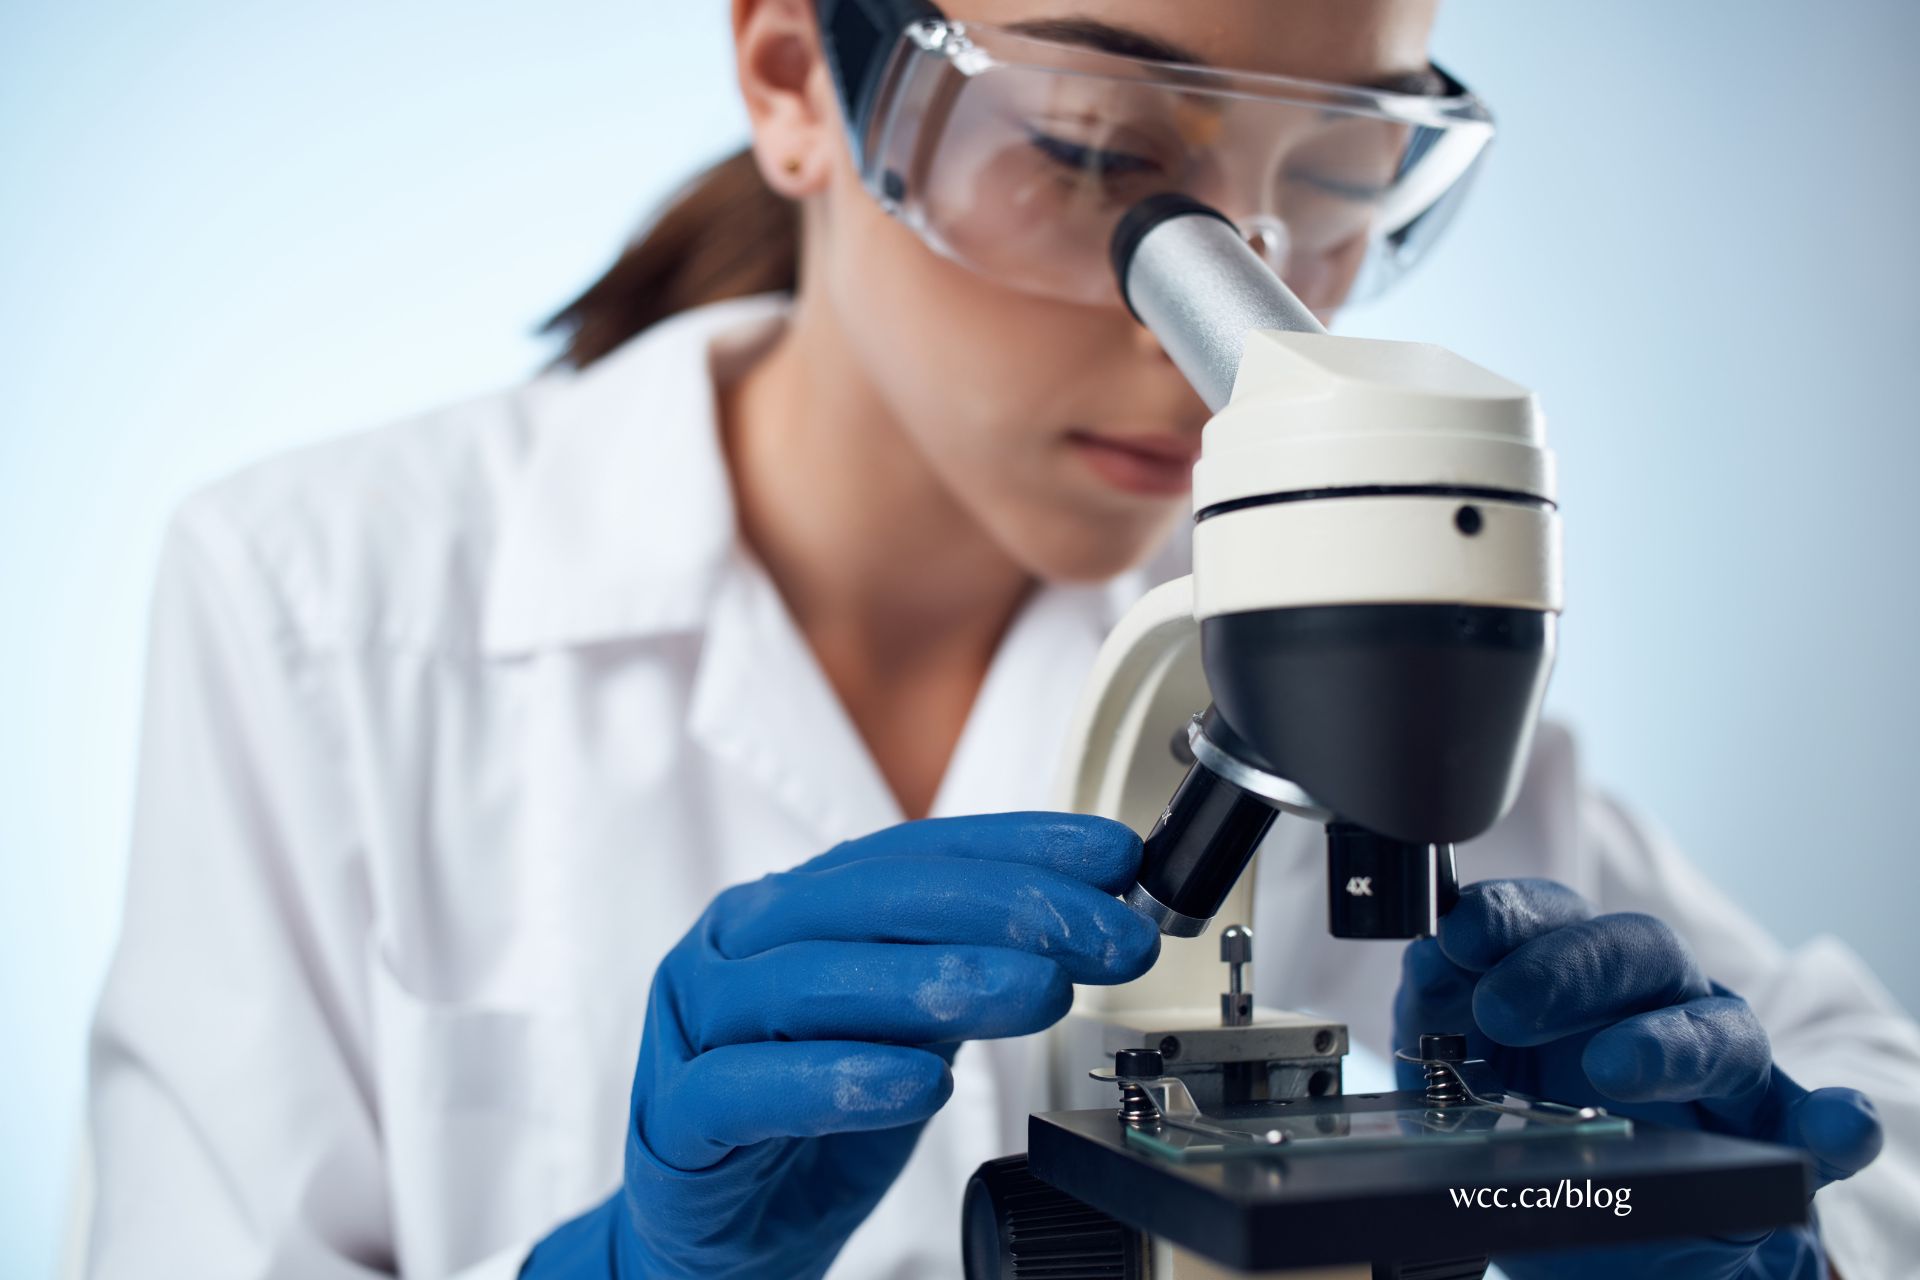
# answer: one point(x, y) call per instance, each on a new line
point(1613, 1011)
point(798, 1038)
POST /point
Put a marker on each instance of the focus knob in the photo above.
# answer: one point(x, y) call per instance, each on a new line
point(1013, 1226)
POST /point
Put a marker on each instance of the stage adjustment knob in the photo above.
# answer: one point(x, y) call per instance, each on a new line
point(1015, 1227)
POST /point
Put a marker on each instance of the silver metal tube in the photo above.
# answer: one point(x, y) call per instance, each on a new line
point(1202, 290)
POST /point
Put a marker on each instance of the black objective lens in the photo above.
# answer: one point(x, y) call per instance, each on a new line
point(1203, 841)
point(1378, 887)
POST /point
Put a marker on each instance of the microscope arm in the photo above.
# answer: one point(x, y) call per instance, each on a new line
point(1145, 684)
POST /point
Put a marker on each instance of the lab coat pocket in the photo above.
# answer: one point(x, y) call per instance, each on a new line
point(478, 1123)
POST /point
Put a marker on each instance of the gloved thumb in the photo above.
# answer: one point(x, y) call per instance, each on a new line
point(1839, 1128)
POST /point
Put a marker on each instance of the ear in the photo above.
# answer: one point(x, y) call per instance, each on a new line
point(788, 92)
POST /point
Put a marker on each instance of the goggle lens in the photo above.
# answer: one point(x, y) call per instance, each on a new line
point(1023, 171)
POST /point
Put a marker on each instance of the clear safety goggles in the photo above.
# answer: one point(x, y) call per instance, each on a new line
point(1018, 156)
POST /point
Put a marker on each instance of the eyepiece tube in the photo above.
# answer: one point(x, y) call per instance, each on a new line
point(1187, 275)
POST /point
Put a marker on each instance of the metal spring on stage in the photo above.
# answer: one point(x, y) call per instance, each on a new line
point(1443, 1086)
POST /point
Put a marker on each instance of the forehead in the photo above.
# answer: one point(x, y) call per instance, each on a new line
point(1350, 41)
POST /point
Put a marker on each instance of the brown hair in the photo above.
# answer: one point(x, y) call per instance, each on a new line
point(723, 235)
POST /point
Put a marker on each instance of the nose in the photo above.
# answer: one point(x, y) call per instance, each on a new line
point(1166, 392)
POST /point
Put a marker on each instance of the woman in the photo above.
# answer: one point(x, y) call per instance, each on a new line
point(455, 727)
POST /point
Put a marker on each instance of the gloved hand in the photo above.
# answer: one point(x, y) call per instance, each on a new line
point(1613, 1011)
point(799, 1037)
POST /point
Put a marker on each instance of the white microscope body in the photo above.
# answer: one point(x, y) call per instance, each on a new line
point(1335, 472)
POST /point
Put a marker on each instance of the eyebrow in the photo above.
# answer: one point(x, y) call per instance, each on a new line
point(1107, 38)
point(1131, 43)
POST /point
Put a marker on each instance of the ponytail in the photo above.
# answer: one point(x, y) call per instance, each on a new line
point(725, 235)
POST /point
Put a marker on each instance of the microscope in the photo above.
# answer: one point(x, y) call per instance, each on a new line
point(1364, 642)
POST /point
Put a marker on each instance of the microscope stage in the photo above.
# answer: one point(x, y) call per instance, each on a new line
point(1301, 1204)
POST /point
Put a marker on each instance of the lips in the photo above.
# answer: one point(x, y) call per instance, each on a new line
point(1159, 466)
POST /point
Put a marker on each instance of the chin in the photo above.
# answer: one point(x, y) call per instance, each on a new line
point(1092, 551)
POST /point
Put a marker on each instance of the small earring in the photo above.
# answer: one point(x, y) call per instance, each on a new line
point(791, 165)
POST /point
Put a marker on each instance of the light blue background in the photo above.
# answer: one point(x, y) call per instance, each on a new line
point(228, 228)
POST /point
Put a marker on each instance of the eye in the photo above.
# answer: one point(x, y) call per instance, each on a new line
point(1350, 160)
point(1098, 161)
point(1326, 184)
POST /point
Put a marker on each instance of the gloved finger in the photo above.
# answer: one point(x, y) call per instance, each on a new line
point(951, 901)
point(1098, 851)
point(1495, 918)
point(1431, 986)
point(1435, 995)
point(879, 991)
point(1584, 976)
point(1710, 1048)
point(747, 1093)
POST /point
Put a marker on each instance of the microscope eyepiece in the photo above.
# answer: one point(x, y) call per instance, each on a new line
point(1148, 216)
point(1187, 274)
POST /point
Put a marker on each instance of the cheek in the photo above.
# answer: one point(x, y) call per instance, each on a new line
point(965, 365)
point(985, 382)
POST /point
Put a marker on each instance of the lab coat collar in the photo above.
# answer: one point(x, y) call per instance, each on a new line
point(623, 520)
point(623, 526)
point(761, 704)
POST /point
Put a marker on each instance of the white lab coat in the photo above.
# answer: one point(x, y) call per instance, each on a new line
point(453, 728)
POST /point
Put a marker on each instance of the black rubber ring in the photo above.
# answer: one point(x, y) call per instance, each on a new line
point(1144, 218)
